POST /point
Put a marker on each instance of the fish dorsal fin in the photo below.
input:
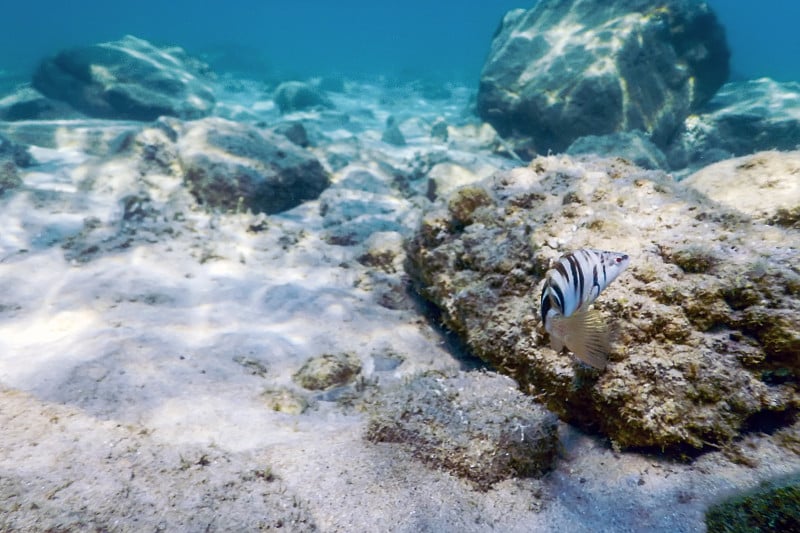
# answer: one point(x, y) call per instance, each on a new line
point(586, 335)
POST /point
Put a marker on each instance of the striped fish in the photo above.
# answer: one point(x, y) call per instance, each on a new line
point(570, 287)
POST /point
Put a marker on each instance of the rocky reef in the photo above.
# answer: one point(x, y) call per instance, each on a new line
point(706, 317)
point(125, 79)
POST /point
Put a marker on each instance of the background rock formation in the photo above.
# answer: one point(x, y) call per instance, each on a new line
point(127, 79)
point(569, 68)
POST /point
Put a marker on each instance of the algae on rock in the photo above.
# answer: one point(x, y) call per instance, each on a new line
point(705, 314)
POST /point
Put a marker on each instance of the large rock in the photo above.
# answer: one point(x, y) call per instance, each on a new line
point(707, 317)
point(127, 79)
point(741, 119)
point(233, 166)
point(765, 186)
point(569, 68)
point(476, 425)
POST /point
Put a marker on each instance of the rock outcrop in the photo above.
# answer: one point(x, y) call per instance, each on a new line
point(476, 425)
point(297, 96)
point(765, 186)
point(569, 68)
point(707, 317)
point(232, 166)
point(741, 119)
point(127, 79)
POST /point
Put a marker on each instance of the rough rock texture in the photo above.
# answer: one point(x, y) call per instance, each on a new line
point(12, 156)
point(127, 79)
point(569, 68)
point(765, 186)
point(297, 96)
point(475, 425)
point(328, 371)
point(707, 317)
point(632, 145)
point(360, 204)
point(742, 118)
point(773, 506)
point(234, 166)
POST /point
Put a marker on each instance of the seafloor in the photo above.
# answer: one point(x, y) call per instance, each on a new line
point(150, 347)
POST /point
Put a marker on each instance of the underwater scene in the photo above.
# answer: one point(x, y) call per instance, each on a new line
point(400, 266)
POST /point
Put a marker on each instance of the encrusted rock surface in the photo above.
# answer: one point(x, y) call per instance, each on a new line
point(127, 79)
point(707, 317)
point(765, 186)
point(233, 166)
point(328, 371)
point(569, 68)
point(475, 425)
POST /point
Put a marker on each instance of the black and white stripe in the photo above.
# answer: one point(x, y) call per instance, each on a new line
point(577, 279)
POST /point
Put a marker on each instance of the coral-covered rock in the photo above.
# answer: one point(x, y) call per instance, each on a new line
point(569, 68)
point(233, 166)
point(707, 315)
point(478, 426)
point(742, 118)
point(328, 371)
point(127, 79)
point(765, 186)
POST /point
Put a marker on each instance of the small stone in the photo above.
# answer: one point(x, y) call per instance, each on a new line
point(285, 401)
point(328, 371)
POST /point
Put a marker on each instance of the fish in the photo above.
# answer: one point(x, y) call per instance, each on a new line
point(573, 283)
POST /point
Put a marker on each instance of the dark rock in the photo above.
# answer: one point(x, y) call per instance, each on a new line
point(295, 132)
point(12, 156)
point(29, 104)
point(570, 68)
point(392, 135)
point(234, 166)
point(297, 96)
point(478, 426)
point(707, 311)
point(741, 119)
point(15, 153)
point(439, 129)
point(633, 146)
point(127, 79)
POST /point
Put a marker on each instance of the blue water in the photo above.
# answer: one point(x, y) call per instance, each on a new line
point(313, 37)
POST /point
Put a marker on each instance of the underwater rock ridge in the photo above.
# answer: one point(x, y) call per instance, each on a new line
point(127, 79)
point(706, 316)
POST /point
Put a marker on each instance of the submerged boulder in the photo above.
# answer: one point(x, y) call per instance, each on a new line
point(765, 186)
point(229, 165)
point(707, 315)
point(296, 96)
point(475, 425)
point(741, 119)
point(127, 79)
point(569, 68)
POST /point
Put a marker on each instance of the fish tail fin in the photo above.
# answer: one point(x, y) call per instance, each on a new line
point(587, 336)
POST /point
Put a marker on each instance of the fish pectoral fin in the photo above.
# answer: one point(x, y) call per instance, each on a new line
point(587, 336)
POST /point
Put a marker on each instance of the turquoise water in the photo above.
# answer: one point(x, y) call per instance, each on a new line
point(314, 37)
